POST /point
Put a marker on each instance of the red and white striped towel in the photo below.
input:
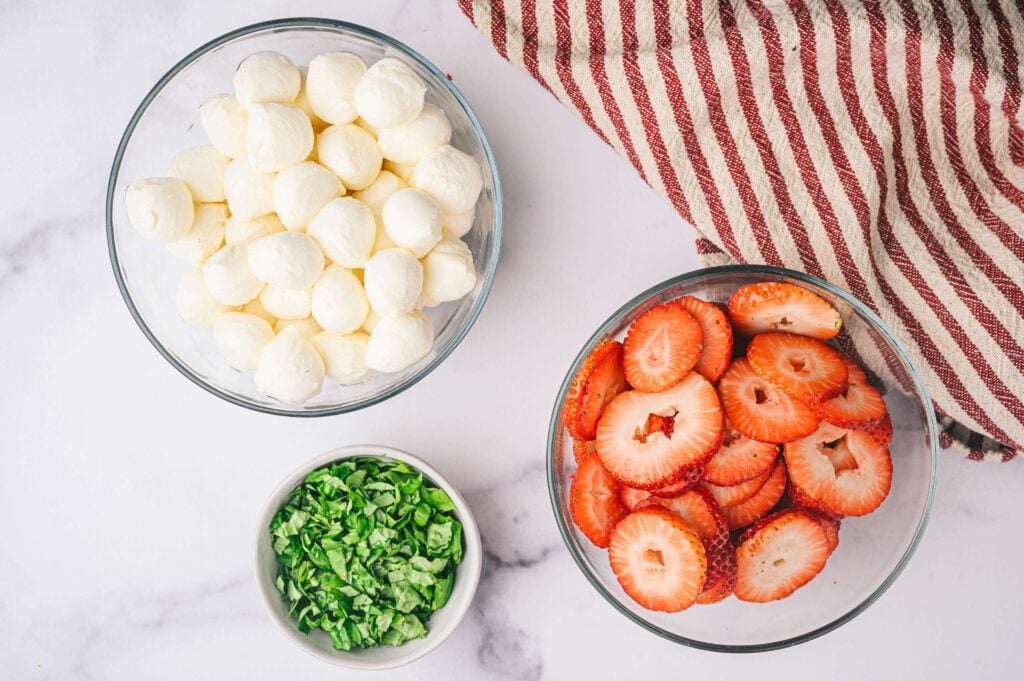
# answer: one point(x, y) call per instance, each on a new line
point(877, 145)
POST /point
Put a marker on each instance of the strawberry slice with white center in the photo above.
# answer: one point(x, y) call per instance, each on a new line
point(594, 501)
point(698, 509)
point(737, 494)
point(775, 306)
point(804, 367)
point(853, 489)
point(717, 337)
point(757, 506)
point(658, 559)
point(647, 459)
point(779, 555)
point(739, 459)
point(662, 345)
point(759, 409)
point(857, 405)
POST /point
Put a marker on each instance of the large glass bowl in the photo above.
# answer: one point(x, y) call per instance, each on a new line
point(872, 551)
point(167, 121)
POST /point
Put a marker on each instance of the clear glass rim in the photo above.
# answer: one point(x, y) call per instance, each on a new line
point(554, 432)
point(328, 25)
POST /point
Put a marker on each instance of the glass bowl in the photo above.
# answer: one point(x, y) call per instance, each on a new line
point(872, 550)
point(167, 121)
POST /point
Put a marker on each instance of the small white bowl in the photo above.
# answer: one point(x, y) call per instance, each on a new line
point(317, 643)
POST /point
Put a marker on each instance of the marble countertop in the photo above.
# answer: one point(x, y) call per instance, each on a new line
point(130, 497)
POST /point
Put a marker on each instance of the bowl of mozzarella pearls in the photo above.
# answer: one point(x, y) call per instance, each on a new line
point(304, 217)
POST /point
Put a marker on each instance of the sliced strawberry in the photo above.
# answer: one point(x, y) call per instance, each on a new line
point(804, 367)
point(658, 559)
point(722, 588)
point(799, 499)
point(856, 490)
point(594, 501)
point(831, 525)
point(649, 460)
point(779, 556)
point(573, 406)
point(739, 459)
point(581, 449)
point(662, 345)
point(858, 405)
point(632, 498)
point(775, 306)
point(604, 383)
point(697, 507)
point(880, 430)
point(761, 411)
point(700, 511)
point(758, 505)
point(690, 478)
point(737, 494)
point(717, 337)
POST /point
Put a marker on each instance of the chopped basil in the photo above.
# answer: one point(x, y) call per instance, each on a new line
point(367, 551)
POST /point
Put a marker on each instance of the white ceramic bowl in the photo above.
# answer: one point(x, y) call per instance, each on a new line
point(317, 643)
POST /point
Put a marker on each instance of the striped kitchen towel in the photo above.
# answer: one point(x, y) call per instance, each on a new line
point(877, 145)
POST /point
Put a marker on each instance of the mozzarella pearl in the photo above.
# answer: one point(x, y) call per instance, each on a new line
point(267, 77)
point(339, 302)
point(331, 86)
point(289, 368)
point(345, 230)
point(301, 191)
point(451, 177)
point(285, 303)
point(390, 94)
point(249, 192)
point(206, 235)
point(393, 279)
point(241, 337)
point(377, 193)
point(224, 121)
point(351, 154)
point(399, 342)
point(307, 327)
point(247, 230)
point(160, 208)
point(408, 144)
point(278, 136)
point(448, 272)
point(344, 355)
point(459, 224)
point(291, 260)
point(195, 303)
point(202, 171)
point(228, 276)
point(412, 220)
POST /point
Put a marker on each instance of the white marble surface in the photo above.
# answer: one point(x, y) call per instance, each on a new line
point(129, 496)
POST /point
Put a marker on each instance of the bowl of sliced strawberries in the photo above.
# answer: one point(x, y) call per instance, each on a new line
point(742, 458)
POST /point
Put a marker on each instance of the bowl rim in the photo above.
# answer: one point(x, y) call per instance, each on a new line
point(468, 571)
point(554, 432)
point(324, 24)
